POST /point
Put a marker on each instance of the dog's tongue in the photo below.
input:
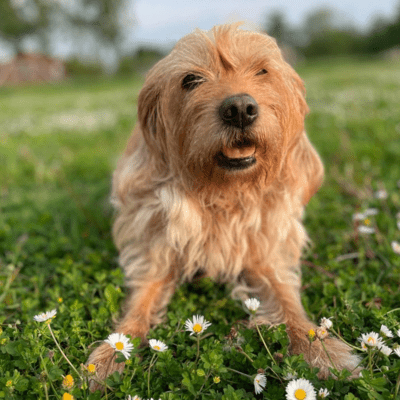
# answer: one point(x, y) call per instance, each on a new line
point(238, 152)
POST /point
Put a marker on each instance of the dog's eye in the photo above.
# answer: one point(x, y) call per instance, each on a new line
point(191, 81)
point(262, 72)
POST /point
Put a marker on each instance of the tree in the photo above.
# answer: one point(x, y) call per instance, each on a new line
point(80, 21)
point(22, 18)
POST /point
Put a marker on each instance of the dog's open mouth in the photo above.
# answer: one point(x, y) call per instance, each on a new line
point(236, 157)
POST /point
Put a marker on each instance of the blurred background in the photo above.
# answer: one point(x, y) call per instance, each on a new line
point(53, 40)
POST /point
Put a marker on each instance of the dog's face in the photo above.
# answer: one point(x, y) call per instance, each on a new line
point(222, 107)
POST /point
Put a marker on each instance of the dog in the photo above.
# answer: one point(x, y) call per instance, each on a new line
point(215, 179)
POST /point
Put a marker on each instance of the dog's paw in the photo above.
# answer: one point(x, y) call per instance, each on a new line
point(103, 358)
point(336, 354)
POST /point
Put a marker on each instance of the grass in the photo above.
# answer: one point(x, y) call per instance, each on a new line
point(58, 147)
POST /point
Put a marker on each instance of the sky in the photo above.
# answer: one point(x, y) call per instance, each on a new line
point(160, 23)
point(163, 22)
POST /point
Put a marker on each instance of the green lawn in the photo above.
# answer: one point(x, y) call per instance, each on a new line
point(58, 147)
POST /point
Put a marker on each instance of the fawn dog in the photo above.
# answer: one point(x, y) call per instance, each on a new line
point(215, 178)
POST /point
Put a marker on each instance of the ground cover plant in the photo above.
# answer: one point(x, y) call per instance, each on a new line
point(58, 147)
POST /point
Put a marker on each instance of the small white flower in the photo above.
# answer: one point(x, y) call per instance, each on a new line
point(396, 247)
point(371, 339)
point(398, 333)
point(259, 383)
point(359, 216)
point(366, 229)
point(133, 398)
point(157, 345)
point(197, 326)
point(326, 323)
point(370, 211)
point(322, 332)
point(398, 224)
point(252, 304)
point(45, 316)
point(385, 350)
point(120, 342)
point(289, 376)
point(397, 351)
point(398, 215)
point(386, 331)
point(323, 393)
point(381, 194)
point(300, 389)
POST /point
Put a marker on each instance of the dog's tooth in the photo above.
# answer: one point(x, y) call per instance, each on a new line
point(238, 152)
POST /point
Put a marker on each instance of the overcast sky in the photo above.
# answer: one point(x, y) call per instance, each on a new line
point(161, 22)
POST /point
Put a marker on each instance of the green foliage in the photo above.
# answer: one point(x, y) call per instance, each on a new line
point(58, 148)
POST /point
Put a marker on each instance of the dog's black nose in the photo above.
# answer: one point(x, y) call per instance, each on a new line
point(240, 110)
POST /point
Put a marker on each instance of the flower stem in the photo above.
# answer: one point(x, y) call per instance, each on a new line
point(344, 341)
point(238, 372)
point(265, 345)
point(59, 348)
point(198, 349)
point(326, 351)
point(396, 390)
point(148, 375)
point(370, 360)
point(241, 351)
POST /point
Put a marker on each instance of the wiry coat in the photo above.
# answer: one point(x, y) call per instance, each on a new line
point(180, 213)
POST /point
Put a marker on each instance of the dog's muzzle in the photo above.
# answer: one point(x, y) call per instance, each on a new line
point(238, 112)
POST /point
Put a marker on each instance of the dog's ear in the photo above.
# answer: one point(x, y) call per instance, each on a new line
point(304, 170)
point(151, 118)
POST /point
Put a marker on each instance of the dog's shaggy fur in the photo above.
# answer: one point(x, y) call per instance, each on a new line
point(215, 179)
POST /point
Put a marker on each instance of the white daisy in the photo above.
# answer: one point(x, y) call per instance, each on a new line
point(370, 211)
point(300, 389)
point(252, 304)
point(323, 393)
point(371, 339)
point(381, 194)
point(396, 247)
point(45, 316)
point(259, 383)
point(322, 332)
point(289, 376)
point(197, 326)
point(386, 331)
point(397, 351)
point(366, 229)
point(398, 333)
point(157, 345)
point(120, 342)
point(359, 216)
point(326, 323)
point(133, 398)
point(386, 350)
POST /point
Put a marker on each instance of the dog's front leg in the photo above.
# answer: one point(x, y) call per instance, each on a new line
point(142, 310)
point(280, 297)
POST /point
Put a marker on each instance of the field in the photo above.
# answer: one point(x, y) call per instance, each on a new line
point(58, 147)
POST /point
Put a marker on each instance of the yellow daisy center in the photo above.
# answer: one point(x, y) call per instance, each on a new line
point(91, 368)
point(119, 346)
point(370, 340)
point(68, 381)
point(300, 394)
point(197, 328)
point(367, 222)
point(157, 348)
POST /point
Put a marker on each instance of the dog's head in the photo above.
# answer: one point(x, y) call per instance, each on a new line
point(222, 107)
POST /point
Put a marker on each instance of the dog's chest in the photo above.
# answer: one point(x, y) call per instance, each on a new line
point(221, 240)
